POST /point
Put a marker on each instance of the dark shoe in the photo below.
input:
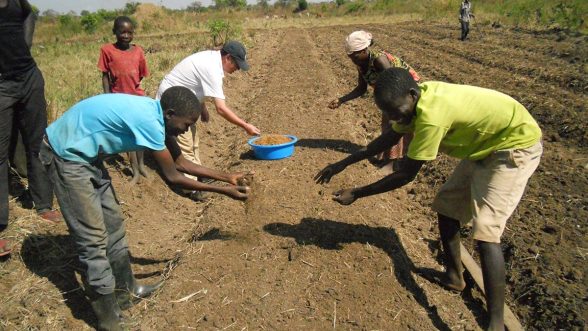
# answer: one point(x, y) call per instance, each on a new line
point(128, 290)
point(15, 186)
point(107, 312)
point(51, 216)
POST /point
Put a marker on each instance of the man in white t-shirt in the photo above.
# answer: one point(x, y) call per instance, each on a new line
point(203, 74)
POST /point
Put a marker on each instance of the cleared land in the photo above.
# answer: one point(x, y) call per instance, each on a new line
point(292, 259)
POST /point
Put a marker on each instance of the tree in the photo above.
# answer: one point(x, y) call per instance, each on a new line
point(35, 10)
point(302, 5)
point(230, 3)
point(195, 6)
point(84, 12)
point(130, 7)
point(50, 13)
point(340, 2)
point(263, 4)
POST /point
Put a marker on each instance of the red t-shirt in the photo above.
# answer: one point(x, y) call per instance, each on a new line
point(125, 68)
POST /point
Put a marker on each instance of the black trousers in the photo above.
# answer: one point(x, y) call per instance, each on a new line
point(22, 102)
point(465, 29)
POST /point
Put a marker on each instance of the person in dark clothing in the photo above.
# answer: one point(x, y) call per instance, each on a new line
point(465, 14)
point(22, 100)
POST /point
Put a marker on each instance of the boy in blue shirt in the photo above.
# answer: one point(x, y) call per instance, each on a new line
point(72, 153)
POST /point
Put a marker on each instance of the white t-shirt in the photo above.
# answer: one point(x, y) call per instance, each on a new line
point(201, 72)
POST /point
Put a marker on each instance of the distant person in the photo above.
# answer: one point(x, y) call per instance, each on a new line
point(22, 100)
point(370, 62)
point(465, 14)
point(123, 67)
point(203, 74)
point(73, 151)
point(499, 144)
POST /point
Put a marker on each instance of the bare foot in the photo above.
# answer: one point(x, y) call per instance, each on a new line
point(143, 172)
point(133, 181)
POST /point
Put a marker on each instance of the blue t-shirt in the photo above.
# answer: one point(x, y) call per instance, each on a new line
point(107, 124)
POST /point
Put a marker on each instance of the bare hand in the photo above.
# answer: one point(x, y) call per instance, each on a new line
point(241, 178)
point(344, 197)
point(251, 130)
point(238, 192)
point(324, 176)
point(334, 104)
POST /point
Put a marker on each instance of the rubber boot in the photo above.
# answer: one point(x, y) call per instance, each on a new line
point(107, 312)
point(127, 289)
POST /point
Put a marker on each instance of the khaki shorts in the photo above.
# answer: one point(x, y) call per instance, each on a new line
point(486, 192)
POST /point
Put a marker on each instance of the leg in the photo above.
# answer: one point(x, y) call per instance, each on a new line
point(186, 143)
point(463, 30)
point(498, 184)
point(449, 231)
point(141, 161)
point(126, 287)
point(32, 121)
point(77, 187)
point(6, 118)
point(467, 29)
point(494, 283)
point(134, 166)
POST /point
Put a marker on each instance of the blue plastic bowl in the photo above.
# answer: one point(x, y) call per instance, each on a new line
point(273, 152)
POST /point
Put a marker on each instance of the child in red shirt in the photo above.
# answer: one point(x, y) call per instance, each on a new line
point(123, 67)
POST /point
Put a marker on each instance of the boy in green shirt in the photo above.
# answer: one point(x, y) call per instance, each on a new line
point(499, 144)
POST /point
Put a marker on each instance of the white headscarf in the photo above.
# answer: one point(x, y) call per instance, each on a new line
point(357, 41)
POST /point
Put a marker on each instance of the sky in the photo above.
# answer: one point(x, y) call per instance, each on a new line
point(64, 6)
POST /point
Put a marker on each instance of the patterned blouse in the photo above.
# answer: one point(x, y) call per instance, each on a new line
point(371, 74)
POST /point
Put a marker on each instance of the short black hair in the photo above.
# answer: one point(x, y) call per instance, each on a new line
point(391, 84)
point(183, 101)
point(120, 20)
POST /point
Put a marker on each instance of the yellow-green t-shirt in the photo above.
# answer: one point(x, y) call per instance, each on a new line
point(467, 122)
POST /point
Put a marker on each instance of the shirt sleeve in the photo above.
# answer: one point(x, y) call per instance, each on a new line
point(150, 134)
point(425, 144)
point(143, 70)
point(103, 60)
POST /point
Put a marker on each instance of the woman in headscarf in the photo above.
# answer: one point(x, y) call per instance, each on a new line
point(370, 61)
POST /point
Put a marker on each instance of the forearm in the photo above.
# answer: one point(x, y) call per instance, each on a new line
point(194, 169)
point(388, 183)
point(105, 83)
point(355, 93)
point(385, 141)
point(194, 185)
point(230, 116)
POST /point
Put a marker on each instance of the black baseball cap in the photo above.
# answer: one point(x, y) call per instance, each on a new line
point(238, 52)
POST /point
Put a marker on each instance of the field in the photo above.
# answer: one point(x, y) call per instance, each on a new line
point(292, 259)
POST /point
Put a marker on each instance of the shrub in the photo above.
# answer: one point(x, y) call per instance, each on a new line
point(221, 31)
point(302, 5)
point(90, 22)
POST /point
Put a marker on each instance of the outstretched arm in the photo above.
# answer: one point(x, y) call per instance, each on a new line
point(405, 175)
point(378, 145)
point(172, 162)
point(229, 115)
point(358, 91)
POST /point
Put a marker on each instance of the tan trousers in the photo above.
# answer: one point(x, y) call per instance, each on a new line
point(486, 192)
point(189, 144)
